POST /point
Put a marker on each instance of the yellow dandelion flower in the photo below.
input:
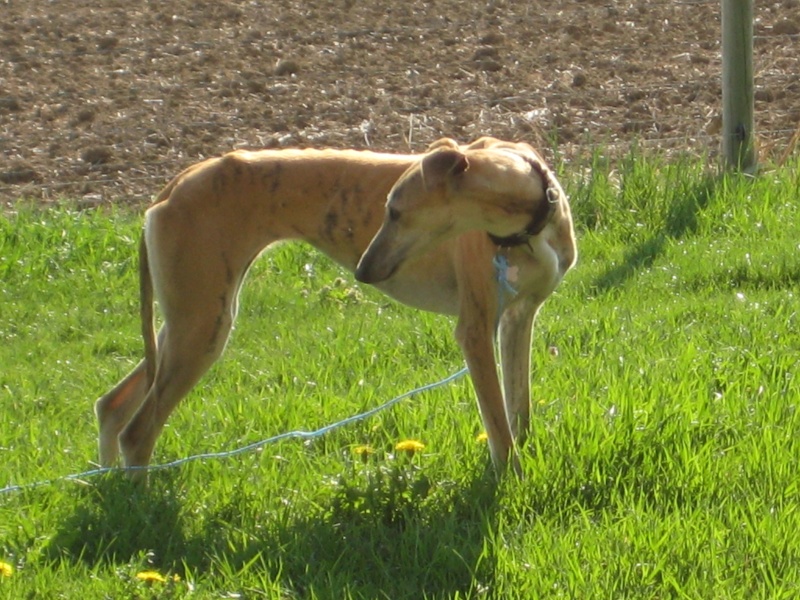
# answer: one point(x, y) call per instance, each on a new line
point(410, 446)
point(156, 577)
point(482, 437)
point(6, 570)
point(151, 577)
point(363, 452)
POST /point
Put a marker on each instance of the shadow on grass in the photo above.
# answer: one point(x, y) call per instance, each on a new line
point(681, 221)
point(394, 536)
point(116, 520)
point(390, 534)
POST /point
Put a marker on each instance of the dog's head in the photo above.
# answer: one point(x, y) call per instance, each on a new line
point(498, 187)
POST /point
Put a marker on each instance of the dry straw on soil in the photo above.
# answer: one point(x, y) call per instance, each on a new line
point(105, 102)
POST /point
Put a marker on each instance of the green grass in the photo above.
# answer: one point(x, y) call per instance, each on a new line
point(663, 456)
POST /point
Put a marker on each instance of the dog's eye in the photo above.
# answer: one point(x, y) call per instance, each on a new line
point(392, 213)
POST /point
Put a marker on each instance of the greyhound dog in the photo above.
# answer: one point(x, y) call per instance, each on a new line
point(449, 212)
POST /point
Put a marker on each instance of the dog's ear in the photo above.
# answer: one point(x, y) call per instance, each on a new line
point(442, 164)
point(484, 142)
point(443, 143)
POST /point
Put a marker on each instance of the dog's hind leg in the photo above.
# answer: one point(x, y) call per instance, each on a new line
point(132, 416)
point(116, 408)
point(197, 272)
point(187, 349)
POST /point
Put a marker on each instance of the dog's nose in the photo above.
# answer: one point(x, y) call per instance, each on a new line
point(366, 271)
point(362, 272)
point(369, 272)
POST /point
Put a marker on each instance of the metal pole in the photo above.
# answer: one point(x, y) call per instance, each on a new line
point(738, 135)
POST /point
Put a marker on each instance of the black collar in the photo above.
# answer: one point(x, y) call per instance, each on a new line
point(515, 239)
point(539, 219)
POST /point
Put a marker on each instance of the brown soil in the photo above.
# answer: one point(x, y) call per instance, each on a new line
point(105, 101)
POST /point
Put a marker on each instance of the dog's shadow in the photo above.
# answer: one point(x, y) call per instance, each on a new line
point(115, 519)
point(682, 221)
point(391, 536)
point(394, 540)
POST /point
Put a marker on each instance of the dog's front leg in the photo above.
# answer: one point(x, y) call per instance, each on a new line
point(475, 332)
point(516, 325)
point(477, 348)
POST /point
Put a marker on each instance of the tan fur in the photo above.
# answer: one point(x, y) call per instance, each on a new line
point(211, 221)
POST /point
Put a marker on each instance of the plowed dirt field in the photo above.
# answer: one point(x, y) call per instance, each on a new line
point(106, 101)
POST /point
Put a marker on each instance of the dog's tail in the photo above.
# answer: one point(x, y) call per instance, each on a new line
point(146, 307)
point(147, 313)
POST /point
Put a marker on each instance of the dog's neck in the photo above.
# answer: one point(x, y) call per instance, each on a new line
point(540, 217)
point(517, 239)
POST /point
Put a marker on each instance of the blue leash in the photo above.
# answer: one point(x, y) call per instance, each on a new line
point(501, 266)
point(306, 435)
